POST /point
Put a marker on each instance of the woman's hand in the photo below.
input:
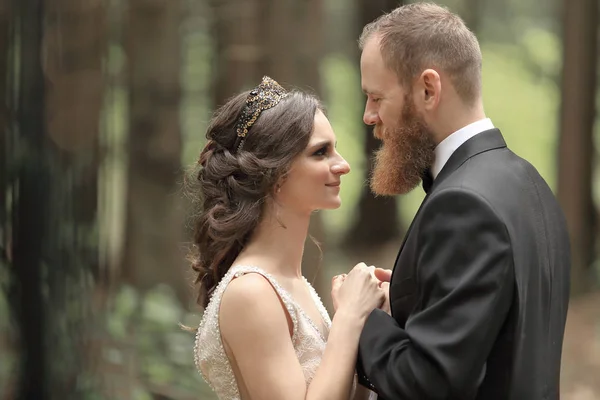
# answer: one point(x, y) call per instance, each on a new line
point(336, 284)
point(358, 292)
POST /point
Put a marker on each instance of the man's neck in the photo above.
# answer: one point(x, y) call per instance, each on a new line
point(455, 118)
point(446, 147)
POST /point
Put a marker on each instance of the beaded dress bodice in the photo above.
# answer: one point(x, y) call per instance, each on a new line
point(211, 359)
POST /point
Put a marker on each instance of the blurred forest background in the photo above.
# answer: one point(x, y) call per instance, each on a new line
point(105, 103)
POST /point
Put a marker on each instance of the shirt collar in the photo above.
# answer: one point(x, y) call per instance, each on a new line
point(446, 147)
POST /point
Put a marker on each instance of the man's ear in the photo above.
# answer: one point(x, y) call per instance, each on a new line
point(428, 89)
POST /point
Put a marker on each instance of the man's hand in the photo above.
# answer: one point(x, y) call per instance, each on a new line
point(385, 286)
point(384, 276)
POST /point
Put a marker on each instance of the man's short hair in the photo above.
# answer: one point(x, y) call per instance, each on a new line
point(418, 36)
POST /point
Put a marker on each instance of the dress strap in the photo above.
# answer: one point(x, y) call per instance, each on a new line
point(283, 294)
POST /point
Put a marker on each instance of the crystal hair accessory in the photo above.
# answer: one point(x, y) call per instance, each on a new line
point(266, 95)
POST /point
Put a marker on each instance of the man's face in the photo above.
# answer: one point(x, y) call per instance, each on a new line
point(408, 145)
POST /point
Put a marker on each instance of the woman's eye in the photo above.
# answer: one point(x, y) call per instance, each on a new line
point(321, 152)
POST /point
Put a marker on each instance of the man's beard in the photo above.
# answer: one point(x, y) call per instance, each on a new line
point(407, 151)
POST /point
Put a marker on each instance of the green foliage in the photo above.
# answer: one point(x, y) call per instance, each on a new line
point(145, 328)
point(543, 49)
point(196, 105)
point(524, 106)
point(343, 100)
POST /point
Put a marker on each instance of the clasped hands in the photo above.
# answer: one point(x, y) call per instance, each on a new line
point(364, 287)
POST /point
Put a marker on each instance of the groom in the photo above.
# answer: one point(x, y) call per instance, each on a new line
point(480, 288)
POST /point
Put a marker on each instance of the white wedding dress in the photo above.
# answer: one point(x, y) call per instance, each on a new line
point(211, 360)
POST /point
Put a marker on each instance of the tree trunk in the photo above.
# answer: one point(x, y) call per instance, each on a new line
point(281, 50)
point(378, 221)
point(576, 150)
point(6, 19)
point(53, 252)
point(154, 215)
point(30, 211)
point(239, 39)
point(8, 347)
point(73, 49)
point(471, 14)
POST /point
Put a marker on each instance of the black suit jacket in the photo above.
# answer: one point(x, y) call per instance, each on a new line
point(480, 288)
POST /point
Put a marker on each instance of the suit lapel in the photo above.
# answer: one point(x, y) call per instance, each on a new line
point(484, 141)
point(406, 235)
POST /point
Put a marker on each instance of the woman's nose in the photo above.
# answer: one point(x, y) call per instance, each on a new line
point(341, 167)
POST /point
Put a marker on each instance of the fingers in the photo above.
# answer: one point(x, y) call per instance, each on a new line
point(359, 266)
point(337, 280)
point(384, 285)
point(384, 275)
point(336, 283)
point(364, 267)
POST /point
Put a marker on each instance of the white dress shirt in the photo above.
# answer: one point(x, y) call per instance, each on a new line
point(444, 150)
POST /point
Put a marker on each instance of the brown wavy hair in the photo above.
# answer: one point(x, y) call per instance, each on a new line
point(230, 188)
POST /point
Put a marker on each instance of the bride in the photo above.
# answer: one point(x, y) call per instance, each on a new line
point(270, 161)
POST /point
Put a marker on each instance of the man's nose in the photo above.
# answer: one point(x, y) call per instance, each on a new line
point(370, 117)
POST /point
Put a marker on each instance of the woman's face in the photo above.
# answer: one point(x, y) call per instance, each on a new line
point(314, 179)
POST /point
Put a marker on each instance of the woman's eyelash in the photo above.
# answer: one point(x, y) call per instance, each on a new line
point(321, 152)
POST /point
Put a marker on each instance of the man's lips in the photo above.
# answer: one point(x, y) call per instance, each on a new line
point(377, 131)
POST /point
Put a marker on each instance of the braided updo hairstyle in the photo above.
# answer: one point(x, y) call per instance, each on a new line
point(232, 186)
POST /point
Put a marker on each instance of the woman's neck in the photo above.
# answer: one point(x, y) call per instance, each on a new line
point(277, 245)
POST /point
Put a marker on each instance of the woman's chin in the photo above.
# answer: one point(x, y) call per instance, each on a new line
point(334, 204)
point(331, 204)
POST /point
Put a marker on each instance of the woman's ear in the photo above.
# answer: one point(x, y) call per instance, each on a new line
point(280, 183)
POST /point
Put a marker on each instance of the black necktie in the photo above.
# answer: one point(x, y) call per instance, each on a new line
point(427, 180)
